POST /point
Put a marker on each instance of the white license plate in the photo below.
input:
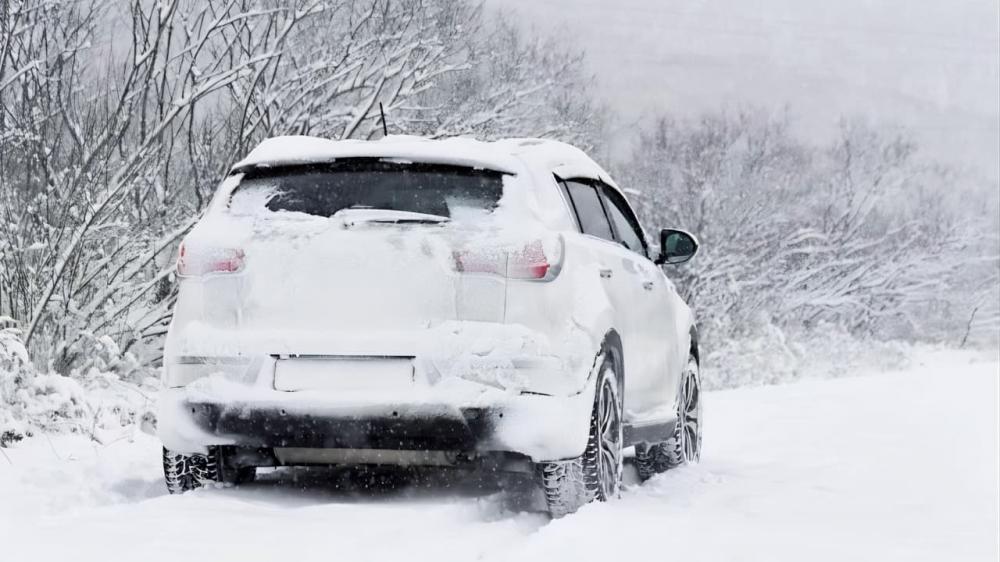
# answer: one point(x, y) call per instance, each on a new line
point(343, 373)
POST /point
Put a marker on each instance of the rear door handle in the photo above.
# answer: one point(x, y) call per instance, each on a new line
point(648, 285)
point(605, 274)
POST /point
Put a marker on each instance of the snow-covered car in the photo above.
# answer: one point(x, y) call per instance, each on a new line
point(428, 302)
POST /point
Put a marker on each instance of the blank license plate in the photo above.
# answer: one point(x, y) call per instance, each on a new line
point(343, 374)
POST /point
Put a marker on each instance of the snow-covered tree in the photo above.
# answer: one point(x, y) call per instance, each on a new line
point(862, 234)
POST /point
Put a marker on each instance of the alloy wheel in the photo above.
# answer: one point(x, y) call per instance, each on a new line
point(609, 458)
point(690, 415)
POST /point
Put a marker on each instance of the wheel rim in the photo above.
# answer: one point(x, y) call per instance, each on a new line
point(609, 444)
point(690, 415)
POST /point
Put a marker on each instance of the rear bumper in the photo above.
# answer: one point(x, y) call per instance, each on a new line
point(539, 427)
point(246, 425)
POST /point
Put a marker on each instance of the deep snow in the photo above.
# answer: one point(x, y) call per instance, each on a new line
point(893, 466)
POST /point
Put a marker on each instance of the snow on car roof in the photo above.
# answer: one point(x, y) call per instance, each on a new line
point(508, 155)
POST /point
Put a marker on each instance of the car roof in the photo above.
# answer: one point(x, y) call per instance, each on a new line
point(510, 156)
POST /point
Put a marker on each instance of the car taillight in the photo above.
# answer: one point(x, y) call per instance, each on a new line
point(201, 261)
point(527, 262)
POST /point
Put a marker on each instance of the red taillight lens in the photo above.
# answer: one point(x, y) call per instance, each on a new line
point(528, 262)
point(201, 261)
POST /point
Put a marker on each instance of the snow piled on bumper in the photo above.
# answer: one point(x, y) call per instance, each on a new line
point(512, 358)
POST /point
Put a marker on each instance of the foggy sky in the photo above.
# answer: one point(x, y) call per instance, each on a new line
point(931, 66)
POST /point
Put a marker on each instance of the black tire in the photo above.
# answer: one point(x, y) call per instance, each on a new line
point(184, 472)
point(683, 445)
point(597, 474)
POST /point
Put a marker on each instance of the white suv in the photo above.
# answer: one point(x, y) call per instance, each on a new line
point(428, 302)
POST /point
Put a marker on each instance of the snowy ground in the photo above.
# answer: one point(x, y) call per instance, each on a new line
point(897, 466)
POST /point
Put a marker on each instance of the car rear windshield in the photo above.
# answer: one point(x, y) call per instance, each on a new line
point(369, 184)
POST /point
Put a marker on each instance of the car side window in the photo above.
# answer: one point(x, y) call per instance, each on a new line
point(589, 210)
point(624, 220)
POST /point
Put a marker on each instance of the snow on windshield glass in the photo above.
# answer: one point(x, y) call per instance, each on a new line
point(325, 190)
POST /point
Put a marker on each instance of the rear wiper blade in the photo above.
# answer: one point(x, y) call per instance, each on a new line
point(388, 216)
point(408, 221)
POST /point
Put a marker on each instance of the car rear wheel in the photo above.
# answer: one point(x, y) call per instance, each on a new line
point(684, 444)
point(183, 472)
point(597, 474)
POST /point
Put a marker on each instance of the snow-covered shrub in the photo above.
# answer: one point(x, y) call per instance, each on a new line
point(14, 363)
point(100, 396)
point(101, 355)
point(30, 400)
point(775, 356)
point(118, 387)
point(52, 402)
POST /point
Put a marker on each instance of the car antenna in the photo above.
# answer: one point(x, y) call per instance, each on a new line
point(385, 129)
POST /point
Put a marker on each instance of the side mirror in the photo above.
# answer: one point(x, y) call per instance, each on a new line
point(676, 246)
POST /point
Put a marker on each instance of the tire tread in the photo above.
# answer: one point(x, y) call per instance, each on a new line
point(183, 472)
point(571, 484)
point(654, 458)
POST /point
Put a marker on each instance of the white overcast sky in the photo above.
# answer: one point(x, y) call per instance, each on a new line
point(932, 66)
